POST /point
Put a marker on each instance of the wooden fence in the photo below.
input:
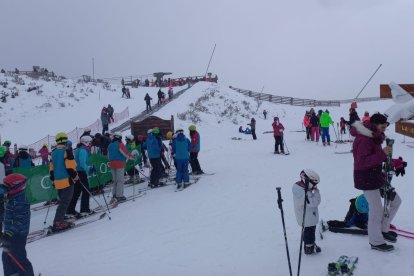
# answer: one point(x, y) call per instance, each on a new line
point(297, 101)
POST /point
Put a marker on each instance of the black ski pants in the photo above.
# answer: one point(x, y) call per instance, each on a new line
point(78, 190)
point(195, 165)
point(156, 170)
point(279, 142)
point(309, 235)
point(14, 257)
point(65, 196)
point(308, 133)
point(254, 133)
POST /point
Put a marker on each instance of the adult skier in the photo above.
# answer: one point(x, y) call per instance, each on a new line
point(278, 129)
point(312, 202)
point(253, 128)
point(15, 217)
point(325, 121)
point(118, 155)
point(368, 177)
point(44, 154)
point(314, 122)
point(104, 120)
point(148, 99)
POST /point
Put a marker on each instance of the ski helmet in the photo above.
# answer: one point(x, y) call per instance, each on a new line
point(149, 131)
point(361, 204)
point(169, 135)
point(14, 183)
point(117, 135)
point(3, 151)
point(156, 131)
point(23, 147)
point(192, 128)
point(129, 137)
point(311, 175)
point(7, 143)
point(61, 138)
point(86, 140)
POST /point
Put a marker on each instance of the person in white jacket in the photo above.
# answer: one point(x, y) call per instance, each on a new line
point(312, 214)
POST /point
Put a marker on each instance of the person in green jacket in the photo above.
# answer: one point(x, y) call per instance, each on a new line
point(325, 121)
point(136, 151)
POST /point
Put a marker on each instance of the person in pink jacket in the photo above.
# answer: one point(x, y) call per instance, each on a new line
point(44, 154)
point(278, 129)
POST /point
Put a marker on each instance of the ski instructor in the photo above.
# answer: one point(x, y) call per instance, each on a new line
point(368, 177)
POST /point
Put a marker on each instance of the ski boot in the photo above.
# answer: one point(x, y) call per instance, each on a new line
point(390, 236)
point(186, 184)
point(383, 247)
point(61, 226)
point(310, 249)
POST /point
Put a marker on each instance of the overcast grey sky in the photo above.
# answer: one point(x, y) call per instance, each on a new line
point(323, 49)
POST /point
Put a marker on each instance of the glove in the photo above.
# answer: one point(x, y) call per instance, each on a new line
point(5, 239)
point(399, 166)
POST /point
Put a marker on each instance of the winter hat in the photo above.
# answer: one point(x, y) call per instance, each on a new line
point(276, 118)
point(378, 119)
point(193, 127)
point(14, 183)
point(361, 204)
point(169, 135)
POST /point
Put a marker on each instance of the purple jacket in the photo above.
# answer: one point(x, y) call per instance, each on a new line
point(368, 156)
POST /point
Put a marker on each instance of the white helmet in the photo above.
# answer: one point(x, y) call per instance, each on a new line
point(149, 131)
point(129, 137)
point(117, 135)
point(86, 140)
point(311, 175)
point(23, 147)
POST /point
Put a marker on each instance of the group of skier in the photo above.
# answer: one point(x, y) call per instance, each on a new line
point(69, 172)
point(372, 166)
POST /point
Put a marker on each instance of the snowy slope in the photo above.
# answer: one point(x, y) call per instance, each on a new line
point(228, 223)
point(61, 106)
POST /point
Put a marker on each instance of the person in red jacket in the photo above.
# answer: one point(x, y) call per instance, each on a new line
point(307, 124)
point(278, 129)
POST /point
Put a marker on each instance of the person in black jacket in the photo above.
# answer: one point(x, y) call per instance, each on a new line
point(16, 221)
point(148, 102)
point(353, 117)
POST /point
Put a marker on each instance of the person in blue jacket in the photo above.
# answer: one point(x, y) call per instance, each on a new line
point(82, 155)
point(181, 147)
point(153, 147)
point(15, 217)
point(23, 159)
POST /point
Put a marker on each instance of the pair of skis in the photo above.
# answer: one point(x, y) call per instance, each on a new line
point(343, 266)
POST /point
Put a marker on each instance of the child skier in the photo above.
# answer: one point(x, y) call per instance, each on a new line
point(15, 217)
point(313, 199)
point(181, 147)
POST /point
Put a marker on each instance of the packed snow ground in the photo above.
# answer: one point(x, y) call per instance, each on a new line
point(229, 223)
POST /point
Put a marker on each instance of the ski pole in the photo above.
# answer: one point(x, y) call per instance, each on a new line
point(91, 195)
point(336, 135)
point(279, 203)
point(306, 201)
point(101, 187)
point(48, 208)
point(284, 142)
point(14, 259)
